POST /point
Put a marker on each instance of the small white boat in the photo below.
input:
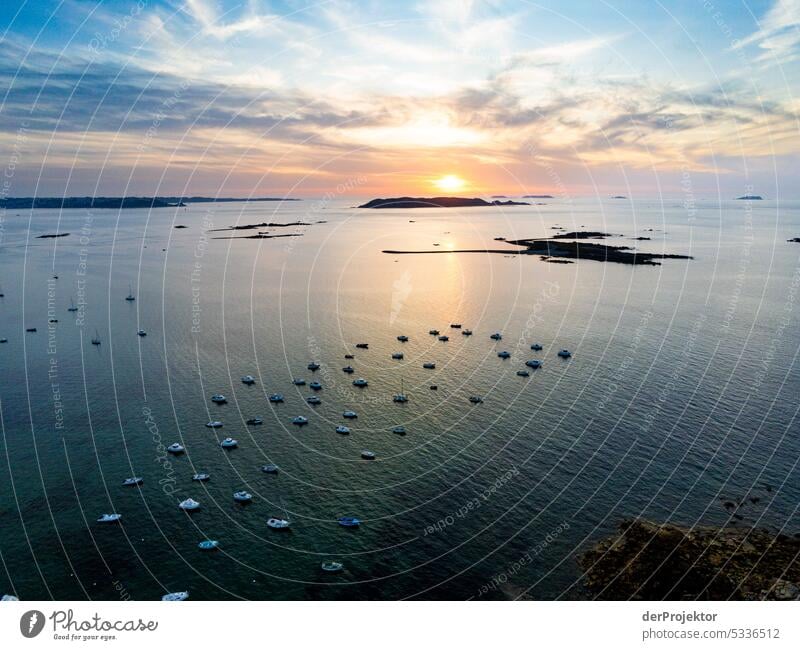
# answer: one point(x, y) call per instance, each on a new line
point(299, 382)
point(475, 399)
point(313, 400)
point(219, 398)
point(109, 518)
point(141, 333)
point(444, 338)
point(269, 469)
point(300, 420)
point(175, 596)
point(400, 430)
point(214, 424)
point(228, 443)
point(176, 448)
point(8, 598)
point(496, 336)
point(343, 430)
point(348, 369)
point(255, 421)
point(400, 398)
point(248, 379)
point(504, 354)
point(523, 373)
point(466, 332)
point(242, 496)
point(534, 363)
point(208, 545)
point(366, 454)
point(350, 415)
point(313, 366)
point(433, 332)
point(276, 397)
point(133, 480)
point(429, 366)
point(130, 297)
point(72, 306)
point(564, 354)
point(189, 504)
point(402, 338)
point(315, 385)
point(201, 477)
point(536, 346)
point(397, 355)
point(360, 382)
point(277, 524)
point(331, 566)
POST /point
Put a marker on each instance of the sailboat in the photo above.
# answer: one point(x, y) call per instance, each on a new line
point(72, 306)
point(401, 397)
point(130, 297)
point(96, 339)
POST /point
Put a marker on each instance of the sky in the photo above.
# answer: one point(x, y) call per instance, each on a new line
point(346, 98)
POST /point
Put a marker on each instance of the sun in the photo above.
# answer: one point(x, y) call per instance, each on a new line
point(450, 183)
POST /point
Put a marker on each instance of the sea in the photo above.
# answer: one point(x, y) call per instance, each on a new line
point(679, 402)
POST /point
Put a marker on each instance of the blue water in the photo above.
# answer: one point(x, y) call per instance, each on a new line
point(681, 394)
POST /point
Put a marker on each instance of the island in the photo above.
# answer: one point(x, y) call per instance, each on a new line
point(252, 226)
point(645, 560)
point(117, 202)
point(53, 236)
point(434, 202)
point(619, 196)
point(749, 197)
point(559, 248)
point(538, 196)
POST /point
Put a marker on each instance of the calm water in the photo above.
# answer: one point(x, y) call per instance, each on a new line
point(682, 390)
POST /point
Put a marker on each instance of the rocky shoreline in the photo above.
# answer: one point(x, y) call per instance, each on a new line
point(645, 560)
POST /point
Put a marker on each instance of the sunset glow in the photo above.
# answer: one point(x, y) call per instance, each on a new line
point(450, 183)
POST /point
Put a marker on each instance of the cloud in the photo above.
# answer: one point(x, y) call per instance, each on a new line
point(778, 33)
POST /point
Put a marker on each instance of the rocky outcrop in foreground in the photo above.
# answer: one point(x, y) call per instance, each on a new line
point(650, 561)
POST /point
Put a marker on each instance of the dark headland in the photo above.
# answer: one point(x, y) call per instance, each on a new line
point(434, 202)
point(651, 561)
point(115, 202)
point(538, 196)
point(749, 197)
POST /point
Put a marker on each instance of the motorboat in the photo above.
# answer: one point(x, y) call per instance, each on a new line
point(475, 399)
point(133, 480)
point(497, 336)
point(208, 545)
point(402, 338)
point(313, 366)
point(504, 354)
point(141, 333)
point(219, 398)
point(349, 522)
point(349, 356)
point(95, 340)
point(331, 566)
point(348, 369)
point(536, 346)
point(130, 297)
point(214, 424)
point(313, 400)
point(315, 385)
point(399, 430)
point(109, 518)
point(277, 524)
point(466, 332)
point(397, 355)
point(455, 326)
point(189, 504)
point(229, 443)
point(3, 340)
point(400, 398)
point(429, 366)
point(276, 397)
point(300, 420)
point(176, 448)
point(72, 306)
point(564, 354)
point(269, 469)
point(444, 338)
point(534, 363)
point(201, 477)
point(350, 415)
point(176, 595)
point(434, 387)
point(30, 329)
point(433, 332)
point(360, 382)
point(255, 421)
point(366, 454)
point(248, 379)
point(523, 373)
point(343, 430)
point(363, 346)
point(242, 496)
point(299, 382)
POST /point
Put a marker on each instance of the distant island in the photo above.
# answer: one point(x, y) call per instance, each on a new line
point(115, 202)
point(537, 196)
point(749, 197)
point(619, 196)
point(434, 202)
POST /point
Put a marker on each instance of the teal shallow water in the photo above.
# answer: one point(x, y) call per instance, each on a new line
point(681, 391)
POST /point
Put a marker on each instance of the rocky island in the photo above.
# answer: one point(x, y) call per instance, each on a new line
point(749, 197)
point(434, 202)
point(117, 202)
point(651, 561)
